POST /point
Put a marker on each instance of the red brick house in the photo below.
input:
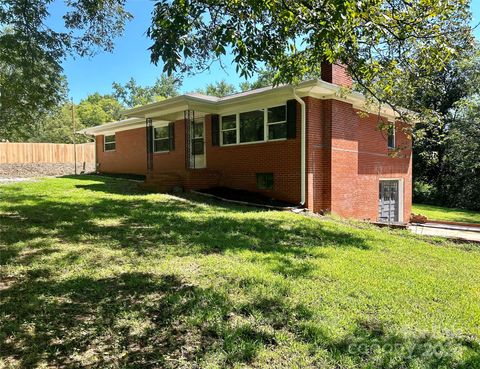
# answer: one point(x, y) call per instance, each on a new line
point(306, 144)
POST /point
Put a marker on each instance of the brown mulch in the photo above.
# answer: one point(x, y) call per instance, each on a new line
point(30, 170)
point(245, 196)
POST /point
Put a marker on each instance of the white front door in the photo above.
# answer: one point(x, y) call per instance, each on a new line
point(197, 144)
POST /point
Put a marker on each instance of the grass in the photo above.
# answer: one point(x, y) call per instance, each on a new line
point(96, 274)
point(447, 214)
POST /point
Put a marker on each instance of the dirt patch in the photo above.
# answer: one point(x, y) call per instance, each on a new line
point(245, 196)
point(31, 170)
point(133, 177)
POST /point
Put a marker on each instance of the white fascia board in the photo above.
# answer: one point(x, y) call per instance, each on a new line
point(168, 106)
point(255, 102)
point(324, 90)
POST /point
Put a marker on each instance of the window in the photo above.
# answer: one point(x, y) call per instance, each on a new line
point(161, 139)
point(252, 126)
point(109, 144)
point(229, 129)
point(265, 181)
point(277, 122)
point(391, 136)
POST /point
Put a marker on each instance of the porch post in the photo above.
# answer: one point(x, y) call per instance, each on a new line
point(189, 117)
point(149, 145)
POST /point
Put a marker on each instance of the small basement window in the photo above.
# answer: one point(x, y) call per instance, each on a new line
point(391, 136)
point(265, 181)
point(161, 139)
point(109, 143)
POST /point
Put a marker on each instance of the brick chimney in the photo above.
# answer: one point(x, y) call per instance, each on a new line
point(336, 74)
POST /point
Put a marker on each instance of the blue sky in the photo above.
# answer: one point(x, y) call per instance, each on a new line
point(131, 58)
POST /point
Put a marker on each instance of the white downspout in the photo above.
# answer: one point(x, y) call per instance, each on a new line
point(302, 147)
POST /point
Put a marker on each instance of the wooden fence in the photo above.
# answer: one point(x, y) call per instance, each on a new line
point(45, 153)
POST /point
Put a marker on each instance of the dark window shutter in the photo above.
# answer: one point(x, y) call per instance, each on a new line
point(171, 135)
point(215, 130)
point(291, 118)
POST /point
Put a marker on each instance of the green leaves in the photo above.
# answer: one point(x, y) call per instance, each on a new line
point(31, 80)
point(446, 149)
point(220, 89)
point(377, 40)
point(131, 94)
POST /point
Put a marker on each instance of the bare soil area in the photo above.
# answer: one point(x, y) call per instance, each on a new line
point(245, 196)
point(32, 170)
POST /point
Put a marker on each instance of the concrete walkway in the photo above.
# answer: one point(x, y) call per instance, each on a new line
point(468, 233)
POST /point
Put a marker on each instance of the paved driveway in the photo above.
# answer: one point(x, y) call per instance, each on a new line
point(468, 233)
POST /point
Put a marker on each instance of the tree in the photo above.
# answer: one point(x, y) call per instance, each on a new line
point(379, 41)
point(220, 89)
point(132, 94)
point(463, 158)
point(57, 126)
point(31, 52)
point(97, 109)
point(265, 78)
point(444, 105)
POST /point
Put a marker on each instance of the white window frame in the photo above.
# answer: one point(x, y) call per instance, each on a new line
point(392, 125)
point(158, 139)
point(266, 124)
point(105, 142)
point(237, 129)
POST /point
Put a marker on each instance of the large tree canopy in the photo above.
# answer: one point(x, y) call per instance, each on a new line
point(132, 94)
point(446, 165)
point(31, 52)
point(380, 41)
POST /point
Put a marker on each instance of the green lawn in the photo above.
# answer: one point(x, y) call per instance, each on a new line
point(95, 273)
point(448, 214)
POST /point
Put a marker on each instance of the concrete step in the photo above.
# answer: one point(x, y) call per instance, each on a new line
point(162, 176)
point(162, 182)
point(157, 187)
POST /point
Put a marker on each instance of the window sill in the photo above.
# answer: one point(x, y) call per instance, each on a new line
point(254, 142)
point(161, 152)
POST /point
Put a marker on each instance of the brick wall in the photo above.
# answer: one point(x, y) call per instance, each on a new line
point(347, 156)
point(375, 163)
point(172, 161)
point(130, 155)
point(239, 164)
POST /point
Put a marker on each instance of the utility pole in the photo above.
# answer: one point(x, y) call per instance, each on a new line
point(74, 140)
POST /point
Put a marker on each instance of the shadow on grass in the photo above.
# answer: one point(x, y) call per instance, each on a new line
point(133, 320)
point(180, 226)
point(141, 320)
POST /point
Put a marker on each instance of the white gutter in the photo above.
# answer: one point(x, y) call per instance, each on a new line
point(302, 147)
